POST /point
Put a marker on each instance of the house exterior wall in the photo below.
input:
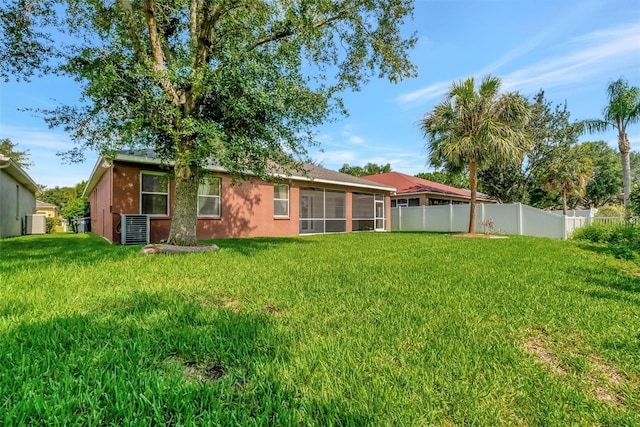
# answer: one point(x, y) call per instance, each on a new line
point(247, 208)
point(101, 212)
point(16, 202)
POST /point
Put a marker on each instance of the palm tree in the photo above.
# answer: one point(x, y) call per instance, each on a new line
point(568, 172)
point(472, 128)
point(623, 110)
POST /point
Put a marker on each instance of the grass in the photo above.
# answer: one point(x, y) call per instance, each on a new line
point(346, 329)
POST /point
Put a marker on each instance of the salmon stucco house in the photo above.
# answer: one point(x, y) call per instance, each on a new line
point(135, 191)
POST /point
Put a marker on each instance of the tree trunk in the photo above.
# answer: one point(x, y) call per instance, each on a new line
point(564, 202)
point(625, 148)
point(473, 184)
point(185, 203)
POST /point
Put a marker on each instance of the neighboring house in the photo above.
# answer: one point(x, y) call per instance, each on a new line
point(414, 191)
point(319, 201)
point(17, 198)
point(48, 209)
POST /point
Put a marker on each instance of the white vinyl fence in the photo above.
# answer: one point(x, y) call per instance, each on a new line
point(514, 218)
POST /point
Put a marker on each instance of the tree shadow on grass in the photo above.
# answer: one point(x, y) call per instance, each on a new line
point(154, 358)
point(148, 358)
point(609, 283)
point(252, 246)
point(39, 251)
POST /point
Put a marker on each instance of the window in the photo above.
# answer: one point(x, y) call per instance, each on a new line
point(154, 193)
point(402, 203)
point(209, 196)
point(280, 200)
point(414, 202)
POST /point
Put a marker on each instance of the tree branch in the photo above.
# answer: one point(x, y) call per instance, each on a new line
point(284, 34)
point(156, 50)
point(130, 23)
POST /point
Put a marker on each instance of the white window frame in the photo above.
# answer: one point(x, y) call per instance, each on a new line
point(219, 197)
point(163, 174)
point(280, 200)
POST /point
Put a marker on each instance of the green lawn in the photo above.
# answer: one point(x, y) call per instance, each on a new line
point(349, 329)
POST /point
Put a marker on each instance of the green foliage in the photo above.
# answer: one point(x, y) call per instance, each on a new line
point(454, 179)
point(623, 240)
point(51, 224)
point(77, 208)
point(474, 128)
point(244, 83)
point(611, 211)
point(94, 334)
point(634, 199)
point(568, 172)
point(20, 157)
point(59, 196)
point(597, 233)
point(606, 180)
point(368, 169)
point(622, 110)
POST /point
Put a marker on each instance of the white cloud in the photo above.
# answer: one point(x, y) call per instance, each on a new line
point(598, 53)
point(34, 139)
point(412, 99)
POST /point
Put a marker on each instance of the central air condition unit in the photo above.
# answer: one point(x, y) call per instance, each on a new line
point(36, 224)
point(134, 229)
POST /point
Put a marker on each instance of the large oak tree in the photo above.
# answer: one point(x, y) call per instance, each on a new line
point(238, 82)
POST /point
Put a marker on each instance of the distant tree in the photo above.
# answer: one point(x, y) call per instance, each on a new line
point(76, 208)
point(549, 129)
point(472, 128)
point(454, 179)
point(606, 182)
point(242, 83)
point(20, 157)
point(634, 158)
point(62, 196)
point(368, 169)
point(568, 173)
point(623, 109)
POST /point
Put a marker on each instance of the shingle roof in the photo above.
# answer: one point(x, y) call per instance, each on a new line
point(407, 184)
point(312, 173)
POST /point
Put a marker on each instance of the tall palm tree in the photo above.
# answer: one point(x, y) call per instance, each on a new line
point(472, 128)
point(568, 172)
point(623, 109)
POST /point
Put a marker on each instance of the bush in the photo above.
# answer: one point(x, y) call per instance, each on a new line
point(623, 240)
point(597, 233)
point(611, 210)
point(50, 224)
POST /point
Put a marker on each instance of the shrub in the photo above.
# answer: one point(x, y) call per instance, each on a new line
point(623, 240)
point(611, 210)
point(50, 224)
point(597, 233)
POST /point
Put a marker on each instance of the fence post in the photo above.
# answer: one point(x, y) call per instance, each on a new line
point(424, 217)
point(399, 218)
point(563, 231)
point(519, 218)
point(450, 216)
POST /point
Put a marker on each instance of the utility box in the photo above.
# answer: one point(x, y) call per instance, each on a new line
point(36, 224)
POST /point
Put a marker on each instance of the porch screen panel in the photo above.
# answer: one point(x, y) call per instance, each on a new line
point(311, 210)
point(363, 212)
point(335, 211)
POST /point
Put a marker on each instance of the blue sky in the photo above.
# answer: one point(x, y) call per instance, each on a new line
point(571, 49)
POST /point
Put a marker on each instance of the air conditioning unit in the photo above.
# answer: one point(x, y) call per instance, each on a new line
point(134, 229)
point(36, 224)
